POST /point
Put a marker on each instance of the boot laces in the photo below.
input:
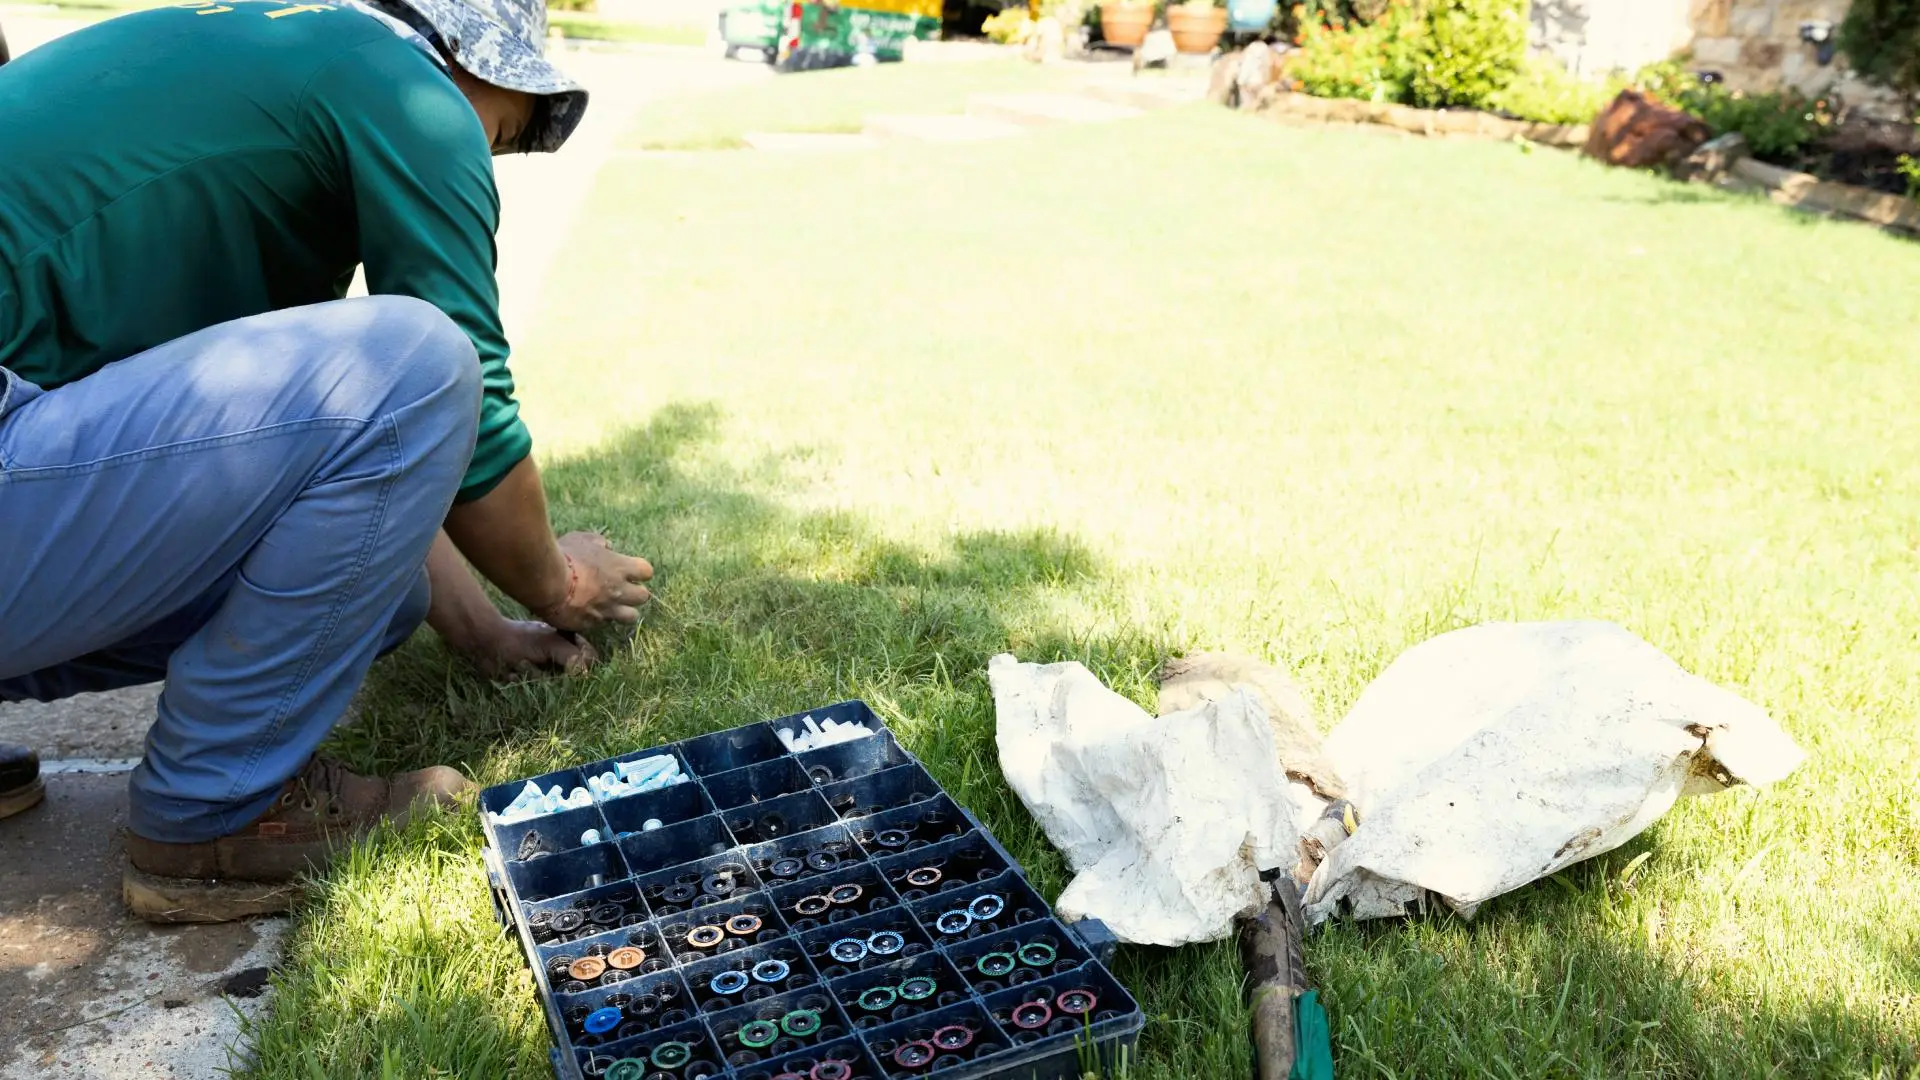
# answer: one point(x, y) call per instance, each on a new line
point(318, 787)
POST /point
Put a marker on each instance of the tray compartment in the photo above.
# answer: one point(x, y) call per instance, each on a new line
point(834, 897)
point(735, 748)
point(874, 793)
point(769, 821)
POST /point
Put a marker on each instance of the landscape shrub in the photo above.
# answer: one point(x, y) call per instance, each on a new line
point(1465, 52)
point(1009, 27)
point(1882, 39)
point(1775, 125)
point(1459, 53)
point(1341, 59)
point(1547, 93)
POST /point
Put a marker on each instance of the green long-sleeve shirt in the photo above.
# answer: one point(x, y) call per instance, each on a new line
point(170, 170)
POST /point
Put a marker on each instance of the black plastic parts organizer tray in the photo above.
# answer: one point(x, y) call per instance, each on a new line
point(823, 915)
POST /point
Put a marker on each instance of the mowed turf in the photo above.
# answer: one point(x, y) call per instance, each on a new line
point(1195, 381)
point(835, 101)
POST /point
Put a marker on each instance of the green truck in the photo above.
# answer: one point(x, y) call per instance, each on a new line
point(801, 35)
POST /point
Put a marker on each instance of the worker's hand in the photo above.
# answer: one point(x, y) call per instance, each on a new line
point(514, 649)
point(603, 585)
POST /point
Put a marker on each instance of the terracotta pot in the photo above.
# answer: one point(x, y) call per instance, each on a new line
point(1196, 29)
point(1125, 25)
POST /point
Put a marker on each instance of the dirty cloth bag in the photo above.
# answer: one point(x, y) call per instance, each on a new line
point(1167, 820)
point(1493, 756)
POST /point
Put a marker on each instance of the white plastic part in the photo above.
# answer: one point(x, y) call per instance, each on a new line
point(651, 824)
point(786, 738)
point(590, 837)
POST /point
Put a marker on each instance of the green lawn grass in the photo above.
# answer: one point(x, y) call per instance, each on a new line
point(1195, 381)
point(592, 28)
point(838, 100)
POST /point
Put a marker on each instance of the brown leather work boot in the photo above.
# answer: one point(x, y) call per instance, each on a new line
point(255, 871)
point(20, 785)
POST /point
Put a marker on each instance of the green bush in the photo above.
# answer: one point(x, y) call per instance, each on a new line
point(1547, 93)
point(571, 5)
point(1775, 125)
point(1465, 52)
point(1882, 38)
point(1338, 61)
point(1459, 53)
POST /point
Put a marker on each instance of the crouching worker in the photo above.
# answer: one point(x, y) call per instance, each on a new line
point(217, 472)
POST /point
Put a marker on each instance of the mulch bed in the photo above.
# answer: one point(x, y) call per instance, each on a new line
point(1875, 167)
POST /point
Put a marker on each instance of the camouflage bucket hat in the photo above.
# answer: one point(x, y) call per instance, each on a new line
point(503, 42)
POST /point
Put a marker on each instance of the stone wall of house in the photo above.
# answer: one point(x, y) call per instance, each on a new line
point(1757, 44)
point(1753, 44)
point(1594, 37)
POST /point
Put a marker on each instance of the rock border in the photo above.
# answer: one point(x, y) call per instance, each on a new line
point(1809, 193)
point(1432, 123)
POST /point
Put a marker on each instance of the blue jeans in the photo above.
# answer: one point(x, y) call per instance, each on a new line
point(244, 512)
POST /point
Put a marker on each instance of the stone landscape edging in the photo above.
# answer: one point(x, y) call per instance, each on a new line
point(1469, 123)
point(1807, 192)
point(1784, 187)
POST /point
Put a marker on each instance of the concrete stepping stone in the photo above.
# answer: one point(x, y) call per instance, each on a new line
point(796, 142)
point(88, 991)
point(1038, 109)
point(938, 129)
point(1154, 92)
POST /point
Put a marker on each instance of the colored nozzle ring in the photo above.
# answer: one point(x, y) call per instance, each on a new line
point(759, 1033)
point(800, 1022)
point(672, 1055)
point(987, 907)
point(626, 1069)
point(995, 964)
point(1077, 1002)
point(1032, 1015)
point(915, 1055)
point(1037, 954)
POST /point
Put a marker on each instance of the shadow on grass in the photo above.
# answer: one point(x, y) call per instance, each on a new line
point(765, 609)
point(1556, 980)
point(1673, 193)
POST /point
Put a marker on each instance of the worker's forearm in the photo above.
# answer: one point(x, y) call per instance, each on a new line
point(460, 611)
point(506, 536)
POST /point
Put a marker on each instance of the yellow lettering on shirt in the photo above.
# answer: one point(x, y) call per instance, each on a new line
point(297, 9)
